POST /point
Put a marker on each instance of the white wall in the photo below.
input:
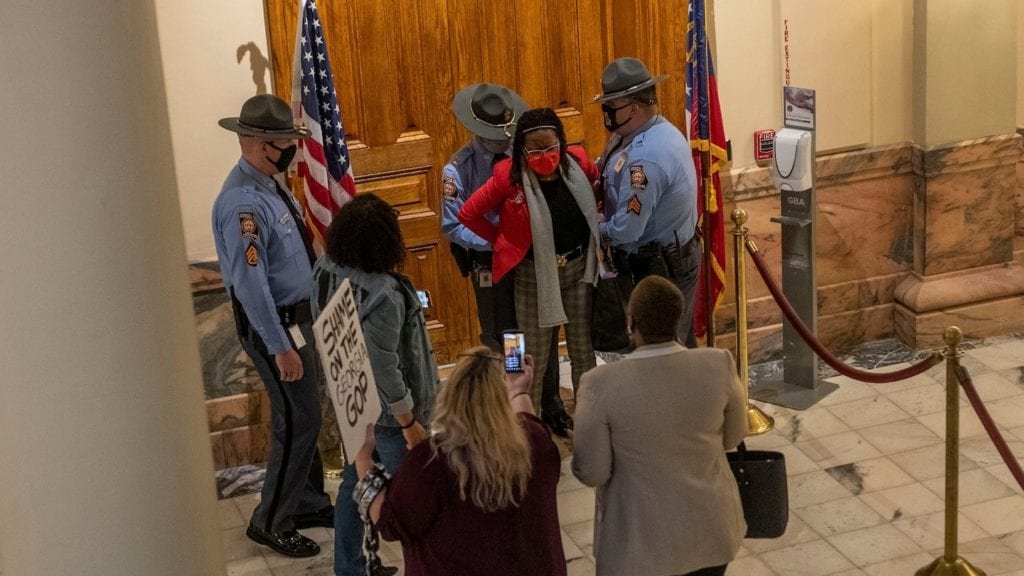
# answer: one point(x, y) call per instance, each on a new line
point(199, 42)
point(750, 68)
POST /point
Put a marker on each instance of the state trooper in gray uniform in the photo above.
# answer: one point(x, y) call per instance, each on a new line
point(265, 257)
point(650, 186)
point(490, 112)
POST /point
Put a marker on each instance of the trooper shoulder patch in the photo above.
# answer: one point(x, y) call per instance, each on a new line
point(252, 255)
point(247, 224)
point(634, 205)
point(448, 187)
point(637, 177)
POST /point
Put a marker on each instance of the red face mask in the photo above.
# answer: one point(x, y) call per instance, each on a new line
point(545, 164)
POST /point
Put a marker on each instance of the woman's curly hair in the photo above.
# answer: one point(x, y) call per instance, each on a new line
point(365, 235)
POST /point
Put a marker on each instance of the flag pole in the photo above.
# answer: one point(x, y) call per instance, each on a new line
point(705, 173)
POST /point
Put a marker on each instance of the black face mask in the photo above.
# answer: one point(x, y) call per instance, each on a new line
point(609, 116)
point(285, 160)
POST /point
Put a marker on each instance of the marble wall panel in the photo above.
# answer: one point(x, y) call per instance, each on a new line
point(243, 445)
point(980, 320)
point(239, 410)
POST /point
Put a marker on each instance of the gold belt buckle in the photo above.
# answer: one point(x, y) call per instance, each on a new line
point(561, 260)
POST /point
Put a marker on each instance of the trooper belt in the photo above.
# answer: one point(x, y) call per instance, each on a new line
point(562, 260)
point(298, 313)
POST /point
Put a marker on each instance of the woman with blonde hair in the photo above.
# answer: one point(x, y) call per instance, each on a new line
point(479, 496)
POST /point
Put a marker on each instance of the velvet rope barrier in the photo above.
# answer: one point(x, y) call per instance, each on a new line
point(821, 351)
point(990, 426)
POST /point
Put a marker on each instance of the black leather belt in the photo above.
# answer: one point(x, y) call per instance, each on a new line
point(564, 258)
point(298, 313)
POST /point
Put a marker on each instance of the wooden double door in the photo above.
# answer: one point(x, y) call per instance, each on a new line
point(397, 64)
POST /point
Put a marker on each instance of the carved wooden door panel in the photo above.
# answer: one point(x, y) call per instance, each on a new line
point(397, 65)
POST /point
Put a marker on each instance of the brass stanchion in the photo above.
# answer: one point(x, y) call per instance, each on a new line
point(950, 564)
point(757, 421)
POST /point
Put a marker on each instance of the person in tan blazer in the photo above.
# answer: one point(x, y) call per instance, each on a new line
point(651, 435)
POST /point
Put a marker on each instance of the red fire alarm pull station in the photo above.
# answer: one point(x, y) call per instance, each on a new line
point(764, 145)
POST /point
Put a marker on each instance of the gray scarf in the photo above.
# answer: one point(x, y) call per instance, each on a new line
point(549, 299)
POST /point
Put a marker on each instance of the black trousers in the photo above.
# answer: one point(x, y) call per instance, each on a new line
point(712, 571)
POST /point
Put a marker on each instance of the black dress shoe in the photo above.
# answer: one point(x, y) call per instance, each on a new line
point(380, 570)
point(322, 518)
point(289, 543)
point(559, 422)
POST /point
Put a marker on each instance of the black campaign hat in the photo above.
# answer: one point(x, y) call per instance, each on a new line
point(489, 110)
point(625, 76)
point(265, 115)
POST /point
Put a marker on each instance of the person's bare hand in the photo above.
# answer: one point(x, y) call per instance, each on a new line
point(289, 365)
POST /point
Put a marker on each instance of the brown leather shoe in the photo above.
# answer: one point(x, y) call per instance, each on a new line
point(289, 543)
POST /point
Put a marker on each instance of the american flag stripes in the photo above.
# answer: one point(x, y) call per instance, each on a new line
point(323, 161)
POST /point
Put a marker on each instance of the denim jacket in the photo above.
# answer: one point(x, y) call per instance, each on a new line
point(396, 336)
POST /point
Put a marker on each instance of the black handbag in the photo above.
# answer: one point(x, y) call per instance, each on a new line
point(608, 322)
point(761, 477)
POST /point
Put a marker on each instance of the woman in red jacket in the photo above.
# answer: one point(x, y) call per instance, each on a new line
point(547, 231)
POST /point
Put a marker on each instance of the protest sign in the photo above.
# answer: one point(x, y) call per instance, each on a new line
point(346, 363)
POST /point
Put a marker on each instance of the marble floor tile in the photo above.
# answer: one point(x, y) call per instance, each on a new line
point(797, 532)
point(904, 501)
point(929, 531)
point(581, 567)
point(921, 400)
point(1007, 413)
point(974, 486)
point(809, 424)
point(251, 566)
point(796, 461)
point(906, 565)
point(988, 554)
point(868, 412)
point(229, 515)
point(838, 516)
point(237, 546)
point(813, 558)
point(582, 535)
point(905, 384)
point(981, 450)
point(899, 436)
point(576, 506)
point(814, 488)
point(997, 385)
point(322, 565)
point(928, 462)
point(998, 517)
point(870, 475)
point(874, 545)
point(968, 423)
point(749, 566)
point(849, 389)
point(838, 449)
point(1002, 473)
point(1015, 541)
point(999, 356)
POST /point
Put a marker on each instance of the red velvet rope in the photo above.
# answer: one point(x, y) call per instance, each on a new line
point(986, 420)
point(824, 354)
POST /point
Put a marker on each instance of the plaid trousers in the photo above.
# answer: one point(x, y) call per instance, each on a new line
point(577, 299)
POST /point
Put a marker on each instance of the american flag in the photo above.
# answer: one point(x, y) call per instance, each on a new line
point(323, 155)
point(706, 133)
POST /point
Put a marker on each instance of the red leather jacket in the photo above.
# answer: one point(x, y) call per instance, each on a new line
point(512, 237)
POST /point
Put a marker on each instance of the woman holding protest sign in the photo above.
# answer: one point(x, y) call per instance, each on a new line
point(478, 498)
point(364, 245)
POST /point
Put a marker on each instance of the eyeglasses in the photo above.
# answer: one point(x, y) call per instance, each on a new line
point(541, 152)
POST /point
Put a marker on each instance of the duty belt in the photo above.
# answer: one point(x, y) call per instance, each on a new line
point(562, 260)
point(298, 313)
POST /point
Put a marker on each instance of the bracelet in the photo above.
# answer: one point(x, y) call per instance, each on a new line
point(409, 425)
point(369, 487)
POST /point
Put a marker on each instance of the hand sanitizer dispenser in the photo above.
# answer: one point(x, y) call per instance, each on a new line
point(794, 157)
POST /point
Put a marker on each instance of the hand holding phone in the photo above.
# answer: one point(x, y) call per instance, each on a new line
point(514, 344)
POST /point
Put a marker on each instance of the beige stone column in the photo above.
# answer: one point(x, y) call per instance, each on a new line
point(965, 154)
point(105, 465)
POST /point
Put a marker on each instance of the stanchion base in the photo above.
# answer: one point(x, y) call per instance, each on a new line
point(774, 390)
point(943, 567)
point(757, 421)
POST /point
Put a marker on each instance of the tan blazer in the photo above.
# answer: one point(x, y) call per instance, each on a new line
point(651, 435)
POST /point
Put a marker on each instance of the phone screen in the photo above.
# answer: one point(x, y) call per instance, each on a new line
point(424, 297)
point(515, 351)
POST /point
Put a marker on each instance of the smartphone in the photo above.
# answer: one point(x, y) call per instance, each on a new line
point(515, 350)
point(424, 296)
